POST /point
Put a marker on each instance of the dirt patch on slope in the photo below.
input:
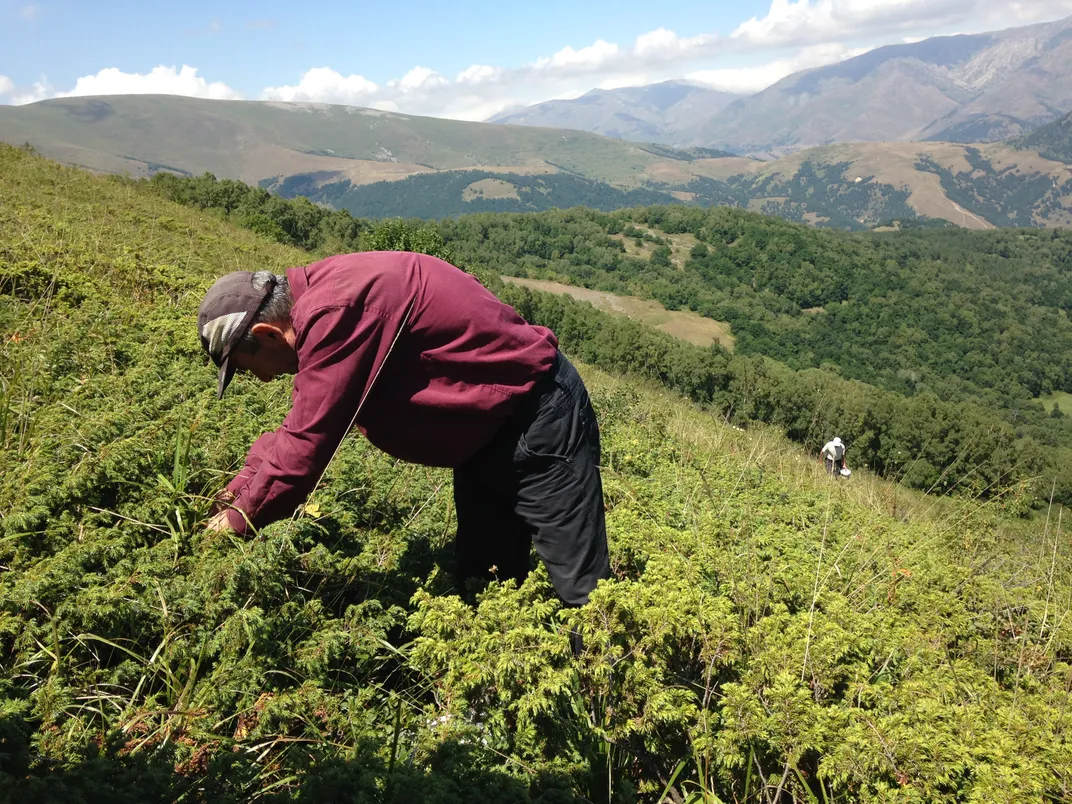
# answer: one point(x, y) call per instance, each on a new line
point(490, 188)
point(687, 326)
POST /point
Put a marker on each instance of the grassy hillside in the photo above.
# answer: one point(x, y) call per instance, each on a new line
point(688, 326)
point(769, 635)
point(256, 140)
point(380, 164)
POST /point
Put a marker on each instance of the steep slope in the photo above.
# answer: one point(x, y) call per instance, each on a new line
point(763, 621)
point(652, 113)
point(1052, 141)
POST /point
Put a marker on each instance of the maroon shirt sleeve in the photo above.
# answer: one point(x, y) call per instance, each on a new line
point(340, 348)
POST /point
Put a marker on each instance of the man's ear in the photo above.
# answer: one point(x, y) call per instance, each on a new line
point(267, 332)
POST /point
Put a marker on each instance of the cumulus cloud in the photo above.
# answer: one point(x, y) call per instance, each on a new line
point(482, 90)
point(417, 79)
point(652, 50)
point(39, 91)
point(161, 80)
point(324, 85)
point(586, 59)
point(479, 74)
point(662, 45)
point(7, 86)
point(802, 22)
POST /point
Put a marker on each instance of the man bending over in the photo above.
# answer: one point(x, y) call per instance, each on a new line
point(432, 369)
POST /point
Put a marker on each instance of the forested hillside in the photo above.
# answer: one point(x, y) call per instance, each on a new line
point(955, 334)
point(769, 635)
point(815, 193)
point(1053, 140)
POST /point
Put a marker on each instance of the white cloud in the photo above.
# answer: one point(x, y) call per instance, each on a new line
point(586, 59)
point(419, 78)
point(664, 45)
point(7, 86)
point(39, 91)
point(478, 74)
point(161, 80)
point(29, 13)
point(322, 84)
point(744, 79)
point(760, 76)
point(802, 22)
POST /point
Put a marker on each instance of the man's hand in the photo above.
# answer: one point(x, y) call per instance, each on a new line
point(218, 523)
point(221, 504)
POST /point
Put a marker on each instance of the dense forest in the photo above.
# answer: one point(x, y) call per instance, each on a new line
point(1053, 140)
point(435, 195)
point(817, 191)
point(926, 349)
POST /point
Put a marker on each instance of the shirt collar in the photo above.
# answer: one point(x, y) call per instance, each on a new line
point(298, 279)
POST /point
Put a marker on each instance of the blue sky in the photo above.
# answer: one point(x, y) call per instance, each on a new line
point(466, 59)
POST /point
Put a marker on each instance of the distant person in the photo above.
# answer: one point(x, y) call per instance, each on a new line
point(434, 370)
point(833, 454)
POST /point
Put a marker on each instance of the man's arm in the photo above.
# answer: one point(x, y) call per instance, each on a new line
point(341, 349)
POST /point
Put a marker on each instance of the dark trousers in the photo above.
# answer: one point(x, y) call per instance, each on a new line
point(537, 483)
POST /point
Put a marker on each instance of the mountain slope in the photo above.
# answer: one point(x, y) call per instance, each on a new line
point(969, 88)
point(652, 113)
point(1052, 141)
point(254, 140)
point(964, 88)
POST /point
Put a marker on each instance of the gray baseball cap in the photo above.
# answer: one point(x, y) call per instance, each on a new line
point(225, 315)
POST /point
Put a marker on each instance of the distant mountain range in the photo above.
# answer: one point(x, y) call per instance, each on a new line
point(653, 113)
point(380, 164)
point(977, 88)
point(253, 140)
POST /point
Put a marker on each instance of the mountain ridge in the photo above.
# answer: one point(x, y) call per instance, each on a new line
point(650, 113)
point(965, 88)
point(343, 155)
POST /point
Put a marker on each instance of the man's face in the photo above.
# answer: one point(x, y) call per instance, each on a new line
point(275, 354)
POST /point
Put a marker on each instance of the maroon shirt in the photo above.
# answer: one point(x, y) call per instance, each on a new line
point(457, 372)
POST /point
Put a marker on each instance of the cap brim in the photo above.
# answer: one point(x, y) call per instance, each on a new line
point(227, 372)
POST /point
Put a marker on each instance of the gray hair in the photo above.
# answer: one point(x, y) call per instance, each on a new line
point(275, 310)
